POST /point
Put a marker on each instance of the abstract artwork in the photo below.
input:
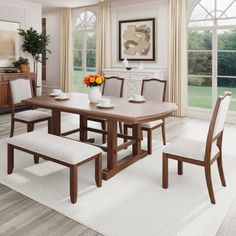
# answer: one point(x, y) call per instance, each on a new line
point(9, 42)
point(137, 40)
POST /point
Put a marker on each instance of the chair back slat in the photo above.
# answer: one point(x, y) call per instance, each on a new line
point(217, 122)
point(20, 89)
point(113, 86)
point(154, 89)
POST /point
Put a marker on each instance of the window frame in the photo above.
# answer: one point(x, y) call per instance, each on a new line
point(215, 29)
point(85, 31)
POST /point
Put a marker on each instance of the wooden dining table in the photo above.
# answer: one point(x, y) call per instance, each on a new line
point(123, 111)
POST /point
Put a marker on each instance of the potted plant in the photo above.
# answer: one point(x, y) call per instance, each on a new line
point(36, 44)
point(22, 64)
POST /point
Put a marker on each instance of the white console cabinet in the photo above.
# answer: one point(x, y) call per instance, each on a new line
point(133, 78)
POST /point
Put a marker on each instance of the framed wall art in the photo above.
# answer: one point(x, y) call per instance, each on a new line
point(137, 40)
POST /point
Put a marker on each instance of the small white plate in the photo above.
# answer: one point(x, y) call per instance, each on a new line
point(62, 99)
point(104, 107)
point(53, 94)
point(137, 100)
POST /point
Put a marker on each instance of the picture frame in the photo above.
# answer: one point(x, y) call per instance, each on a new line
point(137, 40)
point(9, 42)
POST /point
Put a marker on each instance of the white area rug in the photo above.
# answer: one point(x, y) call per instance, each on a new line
point(133, 202)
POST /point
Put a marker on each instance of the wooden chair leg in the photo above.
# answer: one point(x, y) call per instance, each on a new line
point(73, 184)
point(221, 171)
point(36, 159)
point(163, 129)
point(125, 132)
point(164, 171)
point(30, 127)
point(180, 167)
point(10, 159)
point(12, 128)
point(209, 183)
point(120, 127)
point(49, 126)
point(98, 170)
point(104, 127)
point(149, 141)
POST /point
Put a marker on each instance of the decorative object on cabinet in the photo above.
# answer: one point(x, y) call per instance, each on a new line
point(22, 64)
point(36, 44)
point(137, 39)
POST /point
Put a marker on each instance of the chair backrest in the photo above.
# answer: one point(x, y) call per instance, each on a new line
point(154, 89)
point(113, 86)
point(216, 127)
point(20, 89)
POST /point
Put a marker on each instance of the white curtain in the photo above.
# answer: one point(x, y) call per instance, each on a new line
point(178, 55)
point(103, 50)
point(66, 50)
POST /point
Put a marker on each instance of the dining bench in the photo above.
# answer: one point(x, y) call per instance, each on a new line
point(67, 152)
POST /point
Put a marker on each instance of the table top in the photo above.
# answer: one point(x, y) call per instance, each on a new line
point(123, 110)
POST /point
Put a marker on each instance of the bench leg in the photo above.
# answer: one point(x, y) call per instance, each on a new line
point(73, 184)
point(10, 159)
point(98, 170)
point(36, 159)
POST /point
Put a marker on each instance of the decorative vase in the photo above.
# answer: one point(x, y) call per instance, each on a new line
point(95, 95)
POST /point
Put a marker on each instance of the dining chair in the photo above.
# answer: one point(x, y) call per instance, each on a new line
point(21, 89)
point(152, 89)
point(201, 153)
point(113, 86)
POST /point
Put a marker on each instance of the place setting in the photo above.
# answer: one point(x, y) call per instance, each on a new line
point(137, 98)
point(58, 94)
point(105, 103)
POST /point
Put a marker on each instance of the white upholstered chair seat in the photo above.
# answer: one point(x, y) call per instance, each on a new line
point(152, 124)
point(66, 150)
point(31, 115)
point(191, 149)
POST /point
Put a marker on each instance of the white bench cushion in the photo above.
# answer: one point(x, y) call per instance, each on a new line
point(188, 148)
point(31, 115)
point(59, 148)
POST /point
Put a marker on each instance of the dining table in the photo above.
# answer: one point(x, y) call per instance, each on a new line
point(122, 111)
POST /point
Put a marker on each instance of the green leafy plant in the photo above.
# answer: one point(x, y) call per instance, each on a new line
point(36, 44)
point(20, 61)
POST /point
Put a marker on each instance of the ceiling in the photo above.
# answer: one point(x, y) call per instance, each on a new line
point(47, 4)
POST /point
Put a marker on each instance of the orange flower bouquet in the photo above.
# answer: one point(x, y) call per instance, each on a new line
point(93, 80)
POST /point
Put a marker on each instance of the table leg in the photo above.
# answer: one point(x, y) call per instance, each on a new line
point(55, 127)
point(137, 135)
point(111, 150)
point(111, 144)
point(83, 128)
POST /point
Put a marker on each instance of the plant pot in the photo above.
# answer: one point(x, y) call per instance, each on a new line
point(24, 68)
point(95, 95)
point(38, 91)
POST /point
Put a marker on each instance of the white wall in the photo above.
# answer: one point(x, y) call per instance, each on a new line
point(53, 28)
point(126, 10)
point(27, 14)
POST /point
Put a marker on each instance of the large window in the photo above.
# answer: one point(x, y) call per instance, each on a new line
point(84, 46)
point(212, 52)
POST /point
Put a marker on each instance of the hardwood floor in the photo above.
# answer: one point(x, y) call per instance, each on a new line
point(20, 215)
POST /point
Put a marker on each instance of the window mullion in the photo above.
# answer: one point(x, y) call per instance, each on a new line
point(214, 62)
